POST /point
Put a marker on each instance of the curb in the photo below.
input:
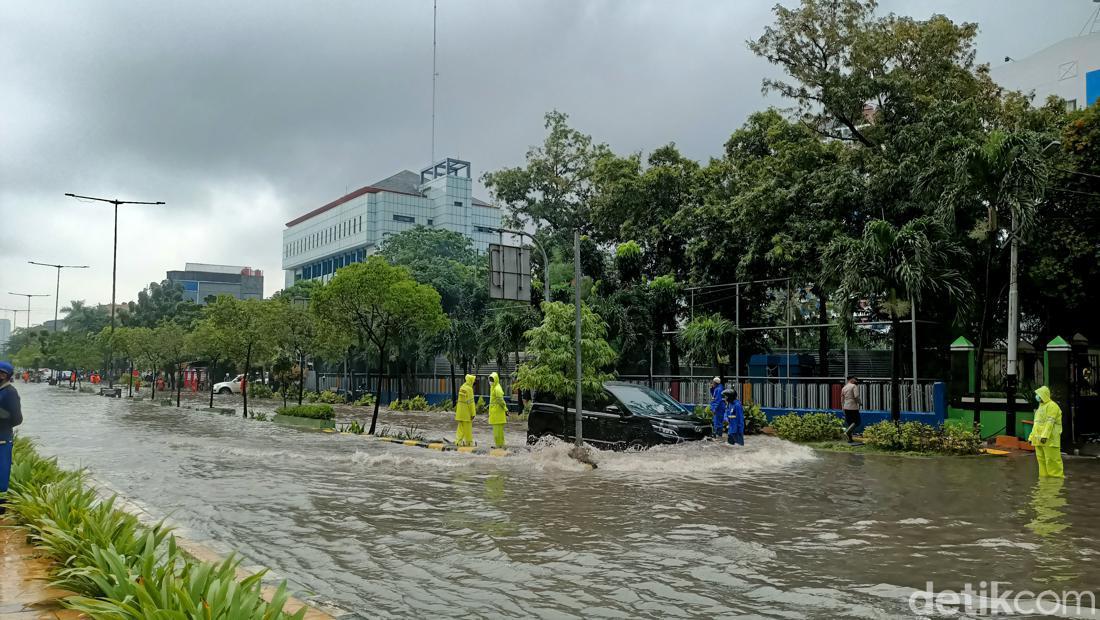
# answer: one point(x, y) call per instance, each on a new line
point(444, 447)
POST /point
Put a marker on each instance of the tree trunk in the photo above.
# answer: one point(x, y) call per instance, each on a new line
point(179, 383)
point(721, 369)
point(979, 365)
point(378, 390)
point(153, 386)
point(301, 376)
point(822, 333)
point(210, 380)
point(130, 381)
point(895, 369)
point(316, 379)
point(244, 388)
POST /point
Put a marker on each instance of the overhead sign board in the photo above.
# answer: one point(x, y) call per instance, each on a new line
point(509, 272)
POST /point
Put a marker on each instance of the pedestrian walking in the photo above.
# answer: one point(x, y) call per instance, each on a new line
point(851, 403)
point(735, 418)
point(1046, 435)
point(717, 407)
point(498, 410)
point(11, 415)
point(465, 409)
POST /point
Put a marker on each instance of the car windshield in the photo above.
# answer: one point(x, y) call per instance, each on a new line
point(642, 400)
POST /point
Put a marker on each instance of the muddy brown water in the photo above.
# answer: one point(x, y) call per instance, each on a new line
point(771, 530)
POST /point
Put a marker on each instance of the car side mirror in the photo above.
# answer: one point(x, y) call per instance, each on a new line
point(615, 410)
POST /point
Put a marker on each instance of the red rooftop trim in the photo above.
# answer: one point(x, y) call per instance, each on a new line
point(370, 189)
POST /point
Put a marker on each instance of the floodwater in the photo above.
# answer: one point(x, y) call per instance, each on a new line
point(770, 530)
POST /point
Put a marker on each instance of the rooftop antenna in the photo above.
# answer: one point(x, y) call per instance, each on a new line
point(1093, 22)
point(435, 13)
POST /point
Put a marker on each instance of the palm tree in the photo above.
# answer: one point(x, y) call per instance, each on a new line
point(1007, 175)
point(897, 266)
point(707, 338)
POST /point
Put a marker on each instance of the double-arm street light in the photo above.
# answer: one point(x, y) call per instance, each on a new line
point(114, 273)
point(28, 296)
point(57, 290)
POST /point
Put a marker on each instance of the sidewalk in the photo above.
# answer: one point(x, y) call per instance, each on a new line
point(24, 577)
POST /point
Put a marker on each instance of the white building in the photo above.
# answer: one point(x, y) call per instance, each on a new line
point(5, 335)
point(1069, 69)
point(352, 227)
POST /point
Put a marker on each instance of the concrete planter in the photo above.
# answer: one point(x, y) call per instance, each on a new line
point(289, 420)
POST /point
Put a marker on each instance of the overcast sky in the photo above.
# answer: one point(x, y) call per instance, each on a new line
point(241, 115)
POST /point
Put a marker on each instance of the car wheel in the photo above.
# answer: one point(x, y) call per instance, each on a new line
point(636, 445)
point(225, 391)
point(532, 439)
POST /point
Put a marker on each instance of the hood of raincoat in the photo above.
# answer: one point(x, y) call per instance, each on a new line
point(470, 380)
point(494, 378)
point(1044, 393)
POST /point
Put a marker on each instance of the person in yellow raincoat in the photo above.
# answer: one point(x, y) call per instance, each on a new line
point(465, 410)
point(498, 410)
point(1046, 435)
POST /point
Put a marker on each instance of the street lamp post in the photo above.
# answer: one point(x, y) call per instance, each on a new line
point(114, 273)
point(28, 296)
point(57, 290)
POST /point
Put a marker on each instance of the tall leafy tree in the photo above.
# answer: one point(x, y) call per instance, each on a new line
point(382, 304)
point(248, 328)
point(709, 338)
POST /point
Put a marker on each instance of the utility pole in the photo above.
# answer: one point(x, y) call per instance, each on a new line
point(435, 14)
point(28, 296)
point(577, 331)
point(57, 290)
point(1011, 380)
point(114, 274)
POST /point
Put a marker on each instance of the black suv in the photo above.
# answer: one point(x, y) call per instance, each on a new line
point(625, 416)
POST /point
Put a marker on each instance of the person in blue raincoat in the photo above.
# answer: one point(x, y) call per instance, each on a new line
point(11, 415)
point(717, 407)
point(735, 418)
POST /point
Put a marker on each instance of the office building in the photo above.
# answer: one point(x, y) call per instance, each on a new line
point(352, 227)
point(201, 281)
point(1069, 69)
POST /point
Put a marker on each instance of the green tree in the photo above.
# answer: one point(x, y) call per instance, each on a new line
point(211, 344)
point(172, 341)
point(84, 319)
point(556, 186)
point(162, 301)
point(709, 338)
point(382, 304)
point(147, 350)
point(895, 267)
point(551, 367)
point(247, 327)
point(505, 329)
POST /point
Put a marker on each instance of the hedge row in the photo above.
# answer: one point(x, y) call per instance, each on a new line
point(315, 412)
point(117, 567)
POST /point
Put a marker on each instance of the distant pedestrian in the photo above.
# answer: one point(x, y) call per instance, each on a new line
point(851, 403)
point(11, 415)
point(717, 407)
point(465, 410)
point(498, 410)
point(735, 418)
point(1046, 435)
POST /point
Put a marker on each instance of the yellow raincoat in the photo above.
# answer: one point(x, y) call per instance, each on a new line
point(498, 410)
point(1046, 435)
point(465, 410)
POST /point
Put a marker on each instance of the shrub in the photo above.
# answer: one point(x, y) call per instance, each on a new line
point(259, 416)
point(355, 428)
point(482, 406)
point(702, 412)
point(366, 400)
point(755, 420)
point(328, 397)
point(416, 403)
point(315, 412)
point(920, 437)
point(444, 405)
point(809, 427)
point(406, 433)
point(260, 390)
point(87, 389)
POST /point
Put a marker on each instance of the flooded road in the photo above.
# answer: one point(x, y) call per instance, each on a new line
point(771, 530)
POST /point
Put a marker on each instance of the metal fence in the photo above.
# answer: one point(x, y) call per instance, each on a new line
point(797, 393)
